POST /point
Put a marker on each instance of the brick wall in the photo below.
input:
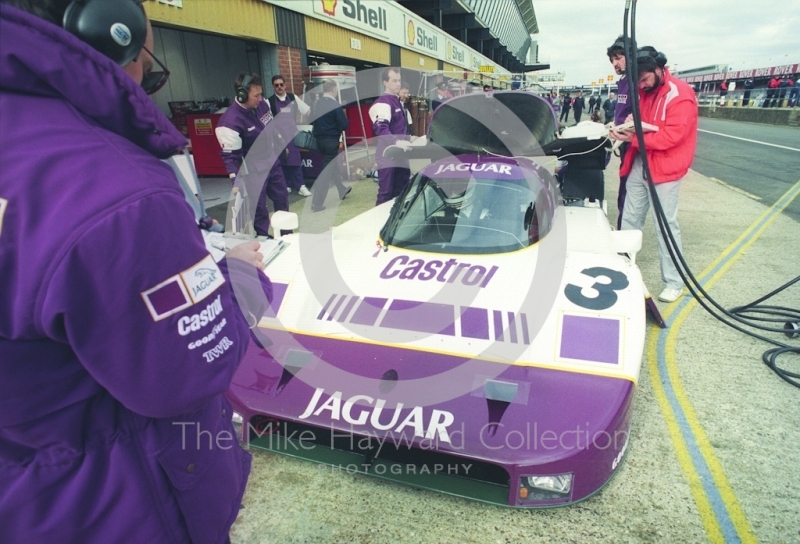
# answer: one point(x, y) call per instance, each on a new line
point(291, 68)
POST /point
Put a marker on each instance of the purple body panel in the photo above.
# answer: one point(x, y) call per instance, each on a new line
point(590, 339)
point(558, 421)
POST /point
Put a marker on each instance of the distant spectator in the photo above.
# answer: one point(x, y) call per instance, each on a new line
point(609, 106)
point(404, 93)
point(440, 96)
point(748, 88)
point(592, 101)
point(566, 104)
point(772, 90)
point(330, 122)
point(577, 107)
point(783, 86)
point(794, 91)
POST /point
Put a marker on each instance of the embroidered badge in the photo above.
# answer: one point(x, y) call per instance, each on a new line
point(183, 290)
point(166, 298)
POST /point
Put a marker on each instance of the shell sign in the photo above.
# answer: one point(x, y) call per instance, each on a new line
point(329, 6)
point(411, 32)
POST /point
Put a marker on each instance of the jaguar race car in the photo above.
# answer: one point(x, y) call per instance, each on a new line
point(481, 335)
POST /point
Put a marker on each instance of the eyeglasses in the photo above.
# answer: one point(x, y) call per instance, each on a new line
point(278, 84)
point(153, 81)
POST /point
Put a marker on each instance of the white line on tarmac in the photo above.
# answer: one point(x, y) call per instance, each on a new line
point(748, 140)
point(732, 188)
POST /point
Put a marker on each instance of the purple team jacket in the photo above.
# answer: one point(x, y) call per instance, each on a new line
point(389, 132)
point(238, 132)
point(287, 126)
point(118, 333)
point(623, 108)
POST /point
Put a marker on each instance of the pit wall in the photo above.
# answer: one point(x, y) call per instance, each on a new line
point(769, 116)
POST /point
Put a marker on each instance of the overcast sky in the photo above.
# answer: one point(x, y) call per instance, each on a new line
point(573, 35)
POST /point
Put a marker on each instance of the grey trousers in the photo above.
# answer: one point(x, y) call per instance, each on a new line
point(638, 202)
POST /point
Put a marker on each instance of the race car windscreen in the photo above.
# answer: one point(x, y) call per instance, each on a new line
point(466, 214)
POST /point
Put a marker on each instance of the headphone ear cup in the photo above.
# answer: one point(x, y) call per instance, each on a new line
point(243, 90)
point(661, 59)
point(116, 28)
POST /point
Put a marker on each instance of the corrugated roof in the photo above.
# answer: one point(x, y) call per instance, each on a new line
point(528, 15)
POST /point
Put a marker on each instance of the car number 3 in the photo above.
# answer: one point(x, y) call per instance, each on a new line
point(606, 295)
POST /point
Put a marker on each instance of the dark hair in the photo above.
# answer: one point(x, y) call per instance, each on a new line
point(404, 85)
point(49, 10)
point(255, 79)
point(277, 77)
point(648, 59)
point(328, 85)
point(385, 73)
point(617, 48)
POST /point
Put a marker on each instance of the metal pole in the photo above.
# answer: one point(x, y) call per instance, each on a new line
point(363, 128)
point(344, 136)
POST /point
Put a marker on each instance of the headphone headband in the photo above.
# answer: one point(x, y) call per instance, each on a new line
point(657, 56)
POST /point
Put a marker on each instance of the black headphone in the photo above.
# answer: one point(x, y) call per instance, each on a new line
point(116, 28)
point(243, 90)
point(658, 56)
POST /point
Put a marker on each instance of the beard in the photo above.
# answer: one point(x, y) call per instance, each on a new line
point(656, 84)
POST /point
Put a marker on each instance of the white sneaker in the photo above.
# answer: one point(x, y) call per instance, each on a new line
point(303, 191)
point(670, 295)
point(289, 190)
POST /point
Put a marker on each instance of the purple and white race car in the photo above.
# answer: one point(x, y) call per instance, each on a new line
point(481, 336)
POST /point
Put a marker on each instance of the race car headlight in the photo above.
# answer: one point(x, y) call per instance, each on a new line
point(545, 488)
point(561, 484)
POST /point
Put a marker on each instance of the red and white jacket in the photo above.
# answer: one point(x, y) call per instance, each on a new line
point(670, 150)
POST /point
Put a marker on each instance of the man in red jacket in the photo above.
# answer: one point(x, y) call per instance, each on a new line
point(669, 104)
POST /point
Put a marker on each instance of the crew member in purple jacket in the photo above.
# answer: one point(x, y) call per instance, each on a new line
point(238, 132)
point(616, 55)
point(119, 333)
point(389, 124)
point(285, 108)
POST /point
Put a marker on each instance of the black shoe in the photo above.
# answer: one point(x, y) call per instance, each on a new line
point(347, 192)
point(317, 209)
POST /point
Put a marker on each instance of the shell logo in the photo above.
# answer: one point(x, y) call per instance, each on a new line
point(329, 6)
point(411, 32)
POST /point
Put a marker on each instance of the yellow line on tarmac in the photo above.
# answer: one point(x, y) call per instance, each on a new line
point(736, 513)
point(707, 516)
